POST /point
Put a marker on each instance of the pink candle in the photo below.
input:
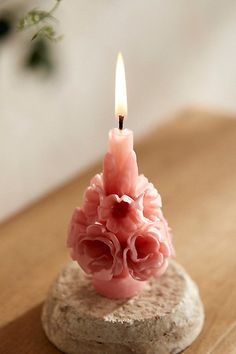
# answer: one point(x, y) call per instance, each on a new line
point(120, 144)
point(120, 235)
point(120, 170)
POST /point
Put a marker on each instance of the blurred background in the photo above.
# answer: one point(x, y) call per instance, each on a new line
point(57, 99)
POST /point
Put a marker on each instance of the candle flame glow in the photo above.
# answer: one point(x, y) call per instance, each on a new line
point(120, 89)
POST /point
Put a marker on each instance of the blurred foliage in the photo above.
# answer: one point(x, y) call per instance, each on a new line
point(6, 25)
point(39, 56)
point(42, 28)
point(42, 21)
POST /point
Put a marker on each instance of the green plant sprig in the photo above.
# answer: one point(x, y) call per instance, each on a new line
point(36, 17)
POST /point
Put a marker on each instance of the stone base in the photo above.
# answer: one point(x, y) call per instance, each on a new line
point(165, 317)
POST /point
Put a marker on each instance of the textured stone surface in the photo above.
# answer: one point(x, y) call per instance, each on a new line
point(165, 317)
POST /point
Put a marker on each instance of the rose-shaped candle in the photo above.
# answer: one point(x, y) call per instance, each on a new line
point(120, 235)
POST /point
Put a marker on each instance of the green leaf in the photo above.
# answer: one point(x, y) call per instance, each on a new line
point(35, 17)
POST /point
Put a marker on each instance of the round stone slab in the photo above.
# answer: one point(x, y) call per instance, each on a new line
point(165, 317)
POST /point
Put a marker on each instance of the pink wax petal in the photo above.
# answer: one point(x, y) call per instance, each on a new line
point(91, 203)
point(77, 225)
point(141, 186)
point(161, 270)
point(145, 255)
point(98, 252)
point(151, 203)
point(97, 182)
point(121, 215)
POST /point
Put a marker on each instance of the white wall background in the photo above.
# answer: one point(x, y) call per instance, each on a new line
point(176, 53)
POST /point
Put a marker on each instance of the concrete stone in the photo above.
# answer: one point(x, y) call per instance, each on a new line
point(165, 317)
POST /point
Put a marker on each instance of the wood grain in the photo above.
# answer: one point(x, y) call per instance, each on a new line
point(192, 161)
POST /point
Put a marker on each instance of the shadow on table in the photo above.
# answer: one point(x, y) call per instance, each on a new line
point(25, 335)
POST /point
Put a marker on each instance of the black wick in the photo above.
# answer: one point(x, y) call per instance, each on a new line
point(121, 122)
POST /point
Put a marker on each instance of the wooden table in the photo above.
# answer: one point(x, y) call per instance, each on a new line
point(192, 161)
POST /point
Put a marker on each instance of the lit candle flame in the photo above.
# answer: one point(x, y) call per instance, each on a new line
point(120, 91)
